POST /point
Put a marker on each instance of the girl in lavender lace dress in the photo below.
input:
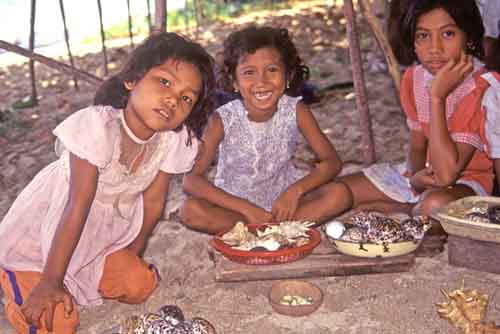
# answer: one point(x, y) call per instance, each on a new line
point(256, 137)
point(76, 233)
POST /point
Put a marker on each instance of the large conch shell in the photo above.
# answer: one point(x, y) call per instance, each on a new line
point(465, 309)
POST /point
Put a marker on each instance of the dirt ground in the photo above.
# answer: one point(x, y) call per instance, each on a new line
point(369, 304)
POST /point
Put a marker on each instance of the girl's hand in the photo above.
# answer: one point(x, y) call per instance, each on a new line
point(256, 215)
point(450, 76)
point(285, 206)
point(43, 301)
point(423, 179)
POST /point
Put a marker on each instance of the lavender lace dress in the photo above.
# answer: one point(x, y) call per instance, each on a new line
point(255, 159)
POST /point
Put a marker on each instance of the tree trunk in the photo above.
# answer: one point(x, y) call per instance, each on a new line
point(34, 97)
point(359, 83)
point(66, 38)
point(103, 39)
point(160, 16)
point(130, 35)
point(150, 25)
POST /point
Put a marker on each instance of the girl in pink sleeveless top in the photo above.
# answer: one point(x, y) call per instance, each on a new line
point(76, 233)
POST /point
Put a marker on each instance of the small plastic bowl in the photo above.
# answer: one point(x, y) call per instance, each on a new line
point(295, 288)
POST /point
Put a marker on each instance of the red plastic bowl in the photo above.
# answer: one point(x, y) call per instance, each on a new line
point(266, 257)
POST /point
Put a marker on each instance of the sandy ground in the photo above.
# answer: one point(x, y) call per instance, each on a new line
point(383, 303)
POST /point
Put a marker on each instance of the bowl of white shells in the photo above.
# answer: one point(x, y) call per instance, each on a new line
point(295, 298)
point(474, 217)
point(268, 243)
point(373, 234)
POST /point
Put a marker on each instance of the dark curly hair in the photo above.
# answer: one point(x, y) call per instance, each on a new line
point(406, 13)
point(249, 40)
point(154, 51)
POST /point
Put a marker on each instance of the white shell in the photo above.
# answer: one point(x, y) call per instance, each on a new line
point(334, 229)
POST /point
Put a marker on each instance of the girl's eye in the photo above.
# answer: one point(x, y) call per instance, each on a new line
point(448, 34)
point(165, 82)
point(419, 36)
point(274, 69)
point(187, 99)
point(248, 72)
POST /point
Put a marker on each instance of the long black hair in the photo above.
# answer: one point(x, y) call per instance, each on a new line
point(464, 12)
point(154, 51)
point(248, 41)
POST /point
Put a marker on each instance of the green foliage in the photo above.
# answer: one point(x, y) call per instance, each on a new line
point(182, 18)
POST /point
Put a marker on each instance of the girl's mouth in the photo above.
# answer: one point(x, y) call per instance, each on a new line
point(163, 113)
point(262, 95)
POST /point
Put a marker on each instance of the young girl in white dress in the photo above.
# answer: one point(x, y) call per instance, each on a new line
point(256, 137)
point(76, 233)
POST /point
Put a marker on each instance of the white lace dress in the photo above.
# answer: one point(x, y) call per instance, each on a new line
point(116, 215)
point(255, 159)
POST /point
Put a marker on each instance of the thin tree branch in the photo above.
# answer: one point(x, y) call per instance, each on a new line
point(51, 63)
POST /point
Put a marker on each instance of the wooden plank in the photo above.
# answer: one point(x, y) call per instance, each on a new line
point(474, 254)
point(324, 261)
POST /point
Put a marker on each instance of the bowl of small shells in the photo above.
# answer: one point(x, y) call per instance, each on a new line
point(267, 243)
point(373, 234)
point(474, 217)
point(295, 298)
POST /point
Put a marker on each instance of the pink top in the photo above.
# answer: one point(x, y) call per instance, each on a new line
point(463, 113)
point(116, 215)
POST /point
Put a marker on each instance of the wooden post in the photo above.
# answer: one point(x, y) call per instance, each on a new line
point(150, 25)
point(51, 63)
point(66, 38)
point(383, 42)
point(359, 84)
point(160, 16)
point(34, 97)
point(130, 35)
point(103, 38)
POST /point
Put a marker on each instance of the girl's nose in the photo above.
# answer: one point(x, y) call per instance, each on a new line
point(436, 44)
point(171, 101)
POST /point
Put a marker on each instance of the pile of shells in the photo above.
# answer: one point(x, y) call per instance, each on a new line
point(169, 319)
point(374, 227)
point(270, 238)
point(481, 211)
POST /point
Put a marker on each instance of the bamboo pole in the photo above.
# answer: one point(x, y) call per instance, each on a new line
point(160, 16)
point(103, 38)
point(368, 147)
point(130, 35)
point(51, 63)
point(66, 38)
point(150, 25)
point(383, 42)
point(34, 96)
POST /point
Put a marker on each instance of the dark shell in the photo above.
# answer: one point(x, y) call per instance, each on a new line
point(415, 227)
point(384, 229)
point(494, 214)
point(478, 217)
point(161, 327)
point(354, 234)
point(202, 326)
point(171, 313)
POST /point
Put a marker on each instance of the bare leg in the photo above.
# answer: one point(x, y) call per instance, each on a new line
point(434, 199)
point(366, 196)
point(328, 200)
point(204, 216)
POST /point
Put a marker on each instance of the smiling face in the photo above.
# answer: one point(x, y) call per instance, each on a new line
point(261, 80)
point(163, 98)
point(438, 39)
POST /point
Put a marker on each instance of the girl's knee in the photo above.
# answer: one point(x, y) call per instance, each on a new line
point(190, 210)
point(128, 278)
point(433, 201)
